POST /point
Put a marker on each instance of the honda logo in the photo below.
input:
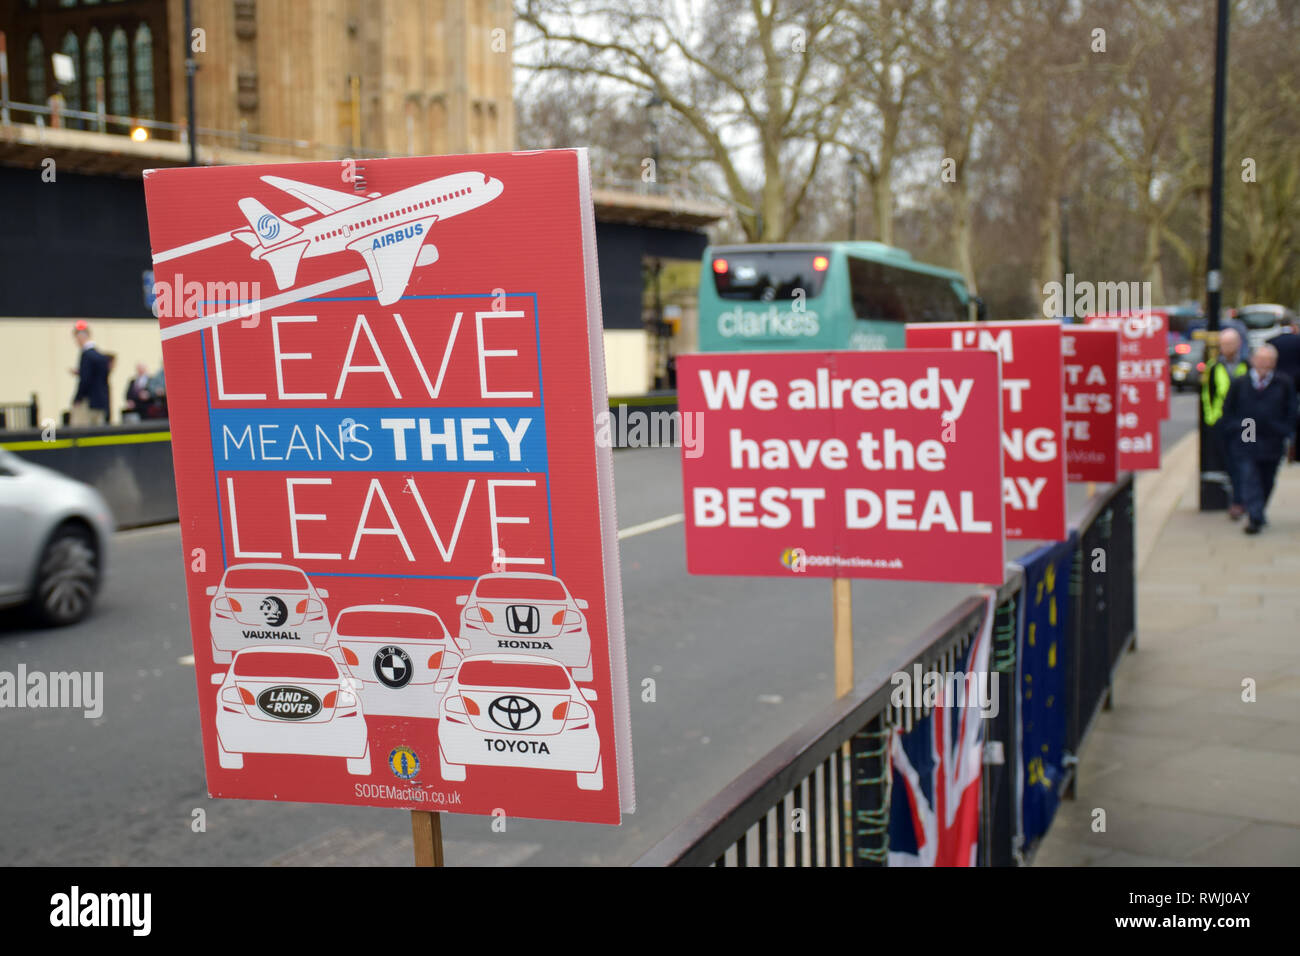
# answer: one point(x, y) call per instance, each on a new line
point(523, 619)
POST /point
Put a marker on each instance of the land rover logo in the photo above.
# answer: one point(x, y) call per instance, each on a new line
point(393, 667)
point(288, 703)
point(514, 713)
point(274, 610)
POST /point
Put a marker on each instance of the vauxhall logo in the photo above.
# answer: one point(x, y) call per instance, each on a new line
point(514, 713)
point(523, 619)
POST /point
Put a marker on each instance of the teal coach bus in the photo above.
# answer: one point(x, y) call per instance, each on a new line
point(833, 295)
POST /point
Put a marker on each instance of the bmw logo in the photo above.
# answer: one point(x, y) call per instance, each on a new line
point(268, 227)
point(393, 667)
point(404, 762)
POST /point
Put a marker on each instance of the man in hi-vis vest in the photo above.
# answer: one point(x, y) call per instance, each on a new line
point(1214, 389)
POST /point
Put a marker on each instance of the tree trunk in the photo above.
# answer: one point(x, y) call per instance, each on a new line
point(882, 202)
point(1048, 268)
point(962, 232)
point(1151, 271)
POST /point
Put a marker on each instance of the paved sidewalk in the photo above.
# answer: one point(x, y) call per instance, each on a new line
point(1186, 771)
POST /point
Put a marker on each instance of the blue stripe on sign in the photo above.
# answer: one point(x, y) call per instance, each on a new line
point(379, 439)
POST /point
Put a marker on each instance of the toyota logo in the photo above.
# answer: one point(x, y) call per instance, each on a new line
point(523, 619)
point(514, 713)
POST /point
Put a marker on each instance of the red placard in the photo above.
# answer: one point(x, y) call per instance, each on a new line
point(844, 464)
point(399, 531)
point(1091, 403)
point(1139, 426)
point(1143, 365)
point(1033, 417)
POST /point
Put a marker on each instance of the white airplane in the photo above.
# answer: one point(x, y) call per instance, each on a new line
point(388, 231)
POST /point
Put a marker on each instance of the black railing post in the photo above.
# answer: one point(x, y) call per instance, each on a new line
point(870, 769)
point(998, 808)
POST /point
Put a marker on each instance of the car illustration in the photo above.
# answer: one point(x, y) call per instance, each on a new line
point(259, 604)
point(528, 613)
point(402, 657)
point(518, 711)
point(54, 533)
point(290, 700)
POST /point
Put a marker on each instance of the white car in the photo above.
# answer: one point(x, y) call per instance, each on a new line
point(290, 700)
point(402, 657)
point(518, 711)
point(527, 613)
point(258, 604)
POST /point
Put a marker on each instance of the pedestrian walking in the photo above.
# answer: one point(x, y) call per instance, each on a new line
point(1214, 389)
point(1288, 364)
point(1260, 411)
point(92, 378)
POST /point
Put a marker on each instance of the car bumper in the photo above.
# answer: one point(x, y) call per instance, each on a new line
point(340, 737)
point(413, 700)
point(571, 750)
point(232, 636)
point(571, 650)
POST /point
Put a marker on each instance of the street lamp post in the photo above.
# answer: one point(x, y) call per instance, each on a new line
point(190, 67)
point(1213, 495)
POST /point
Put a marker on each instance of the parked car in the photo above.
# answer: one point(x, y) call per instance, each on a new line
point(518, 711)
point(1265, 321)
point(54, 534)
point(290, 700)
point(528, 613)
point(1186, 363)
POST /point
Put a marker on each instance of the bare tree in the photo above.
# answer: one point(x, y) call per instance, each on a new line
point(764, 98)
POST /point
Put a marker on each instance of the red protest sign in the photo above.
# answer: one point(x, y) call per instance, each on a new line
point(1139, 426)
point(398, 525)
point(844, 464)
point(1033, 419)
point(1091, 403)
point(1144, 385)
point(1144, 350)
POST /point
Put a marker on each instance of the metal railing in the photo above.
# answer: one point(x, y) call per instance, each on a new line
point(16, 415)
point(835, 769)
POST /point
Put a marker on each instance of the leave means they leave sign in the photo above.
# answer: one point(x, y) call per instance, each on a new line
point(1033, 419)
point(844, 464)
point(399, 533)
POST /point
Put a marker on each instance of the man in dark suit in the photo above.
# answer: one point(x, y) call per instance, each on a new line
point(1260, 410)
point(1288, 364)
point(92, 375)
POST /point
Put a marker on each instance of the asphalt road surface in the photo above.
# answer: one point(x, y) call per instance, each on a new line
point(738, 665)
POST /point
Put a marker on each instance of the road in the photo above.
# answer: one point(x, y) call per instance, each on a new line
point(738, 665)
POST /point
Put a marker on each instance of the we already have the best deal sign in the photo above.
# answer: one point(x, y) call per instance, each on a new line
point(845, 464)
point(399, 528)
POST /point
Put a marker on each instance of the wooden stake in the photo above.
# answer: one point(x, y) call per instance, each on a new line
point(842, 625)
point(426, 829)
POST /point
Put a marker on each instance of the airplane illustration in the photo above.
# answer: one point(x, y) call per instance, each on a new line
point(389, 231)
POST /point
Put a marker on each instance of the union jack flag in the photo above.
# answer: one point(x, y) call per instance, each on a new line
point(936, 767)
